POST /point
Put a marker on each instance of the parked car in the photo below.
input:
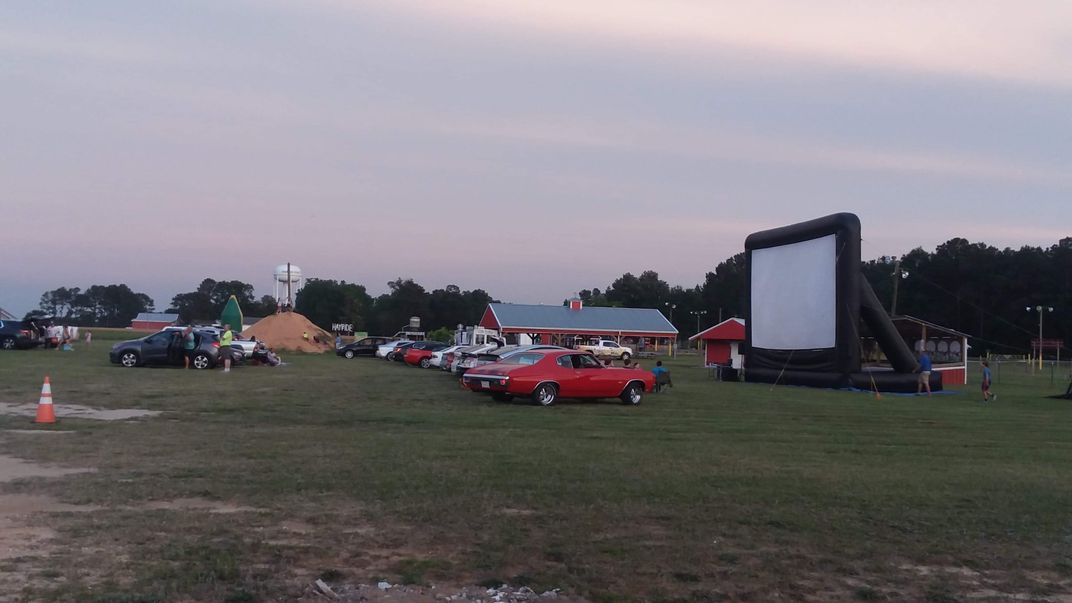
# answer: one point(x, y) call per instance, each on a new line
point(465, 358)
point(20, 334)
point(245, 347)
point(362, 347)
point(439, 357)
point(497, 354)
point(387, 348)
point(399, 352)
point(547, 375)
point(165, 348)
point(607, 348)
point(420, 353)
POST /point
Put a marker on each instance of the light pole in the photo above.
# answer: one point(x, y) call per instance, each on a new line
point(698, 314)
point(1041, 310)
point(674, 340)
point(897, 275)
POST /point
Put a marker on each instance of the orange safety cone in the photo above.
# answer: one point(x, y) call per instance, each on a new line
point(45, 412)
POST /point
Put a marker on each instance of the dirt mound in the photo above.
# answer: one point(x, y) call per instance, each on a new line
point(284, 331)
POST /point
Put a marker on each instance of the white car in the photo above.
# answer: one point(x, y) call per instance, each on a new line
point(438, 355)
point(387, 348)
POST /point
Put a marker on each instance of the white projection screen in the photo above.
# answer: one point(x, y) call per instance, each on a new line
point(794, 295)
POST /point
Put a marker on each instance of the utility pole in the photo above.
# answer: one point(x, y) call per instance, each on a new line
point(671, 306)
point(698, 314)
point(1041, 310)
point(897, 276)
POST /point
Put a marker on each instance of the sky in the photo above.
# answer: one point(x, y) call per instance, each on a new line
point(531, 148)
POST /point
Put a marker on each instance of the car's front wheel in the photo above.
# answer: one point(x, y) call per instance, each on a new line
point(128, 359)
point(201, 361)
point(426, 362)
point(633, 394)
point(8, 343)
point(625, 356)
point(348, 354)
point(545, 394)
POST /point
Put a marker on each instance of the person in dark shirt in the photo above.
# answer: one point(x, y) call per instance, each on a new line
point(987, 394)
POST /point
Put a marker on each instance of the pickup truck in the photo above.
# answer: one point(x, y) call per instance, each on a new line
point(607, 348)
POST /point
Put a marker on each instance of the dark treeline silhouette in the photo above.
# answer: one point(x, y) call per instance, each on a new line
point(97, 306)
point(971, 287)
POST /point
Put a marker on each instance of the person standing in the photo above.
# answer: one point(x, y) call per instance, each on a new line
point(188, 345)
point(987, 394)
point(89, 338)
point(225, 347)
point(925, 368)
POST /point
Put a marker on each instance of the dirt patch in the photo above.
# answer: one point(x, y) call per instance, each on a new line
point(77, 411)
point(23, 531)
point(195, 504)
point(385, 591)
point(21, 534)
point(12, 468)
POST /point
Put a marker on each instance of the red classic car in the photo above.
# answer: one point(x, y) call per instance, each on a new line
point(546, 375)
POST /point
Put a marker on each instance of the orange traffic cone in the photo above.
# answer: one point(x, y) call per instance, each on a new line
point(45, 413)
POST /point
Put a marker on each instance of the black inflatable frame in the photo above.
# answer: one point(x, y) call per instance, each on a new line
point(840, 366)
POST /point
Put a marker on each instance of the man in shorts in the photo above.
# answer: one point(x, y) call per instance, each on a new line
point(188, 345)
point(225, 347)
point(987, 395)
point(925, 368)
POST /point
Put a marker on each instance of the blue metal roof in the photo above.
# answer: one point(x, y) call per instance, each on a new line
point(611, 320)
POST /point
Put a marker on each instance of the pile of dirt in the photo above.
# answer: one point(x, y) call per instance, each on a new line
point(284, 331)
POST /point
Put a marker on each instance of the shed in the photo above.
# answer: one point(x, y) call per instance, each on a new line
point(947, 347)
point(566, 325)
point(153, 321)
point(722, 343)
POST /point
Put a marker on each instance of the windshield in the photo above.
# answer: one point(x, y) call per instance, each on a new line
point(527, 358)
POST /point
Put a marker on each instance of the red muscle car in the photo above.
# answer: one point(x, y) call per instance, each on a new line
point(547, 375)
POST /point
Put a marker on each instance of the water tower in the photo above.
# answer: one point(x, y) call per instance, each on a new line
point(288, 281)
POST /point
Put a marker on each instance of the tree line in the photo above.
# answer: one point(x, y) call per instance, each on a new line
point(970, 287)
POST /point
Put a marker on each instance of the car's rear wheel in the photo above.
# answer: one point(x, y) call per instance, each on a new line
point(128, 359)
point(501, 397)
point(348, 354)
point(625, 356)
point(545, 394)
point(633, 394)
point(8, 343)
point(201, 361)
point(426, 362)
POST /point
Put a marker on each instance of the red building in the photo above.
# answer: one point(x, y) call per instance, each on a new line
point(153, 321)
point(722, 343)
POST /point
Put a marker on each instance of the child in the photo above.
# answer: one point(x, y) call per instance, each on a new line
point(987, 396)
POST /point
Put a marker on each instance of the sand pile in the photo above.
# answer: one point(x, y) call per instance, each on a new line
point(283, 331)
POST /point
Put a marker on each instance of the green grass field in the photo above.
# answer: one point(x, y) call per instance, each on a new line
point(360, 470)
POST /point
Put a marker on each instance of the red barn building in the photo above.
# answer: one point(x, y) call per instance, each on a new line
point(722, 343)
point(153, 321)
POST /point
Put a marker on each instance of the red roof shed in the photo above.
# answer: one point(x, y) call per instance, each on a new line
point(722, 343)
